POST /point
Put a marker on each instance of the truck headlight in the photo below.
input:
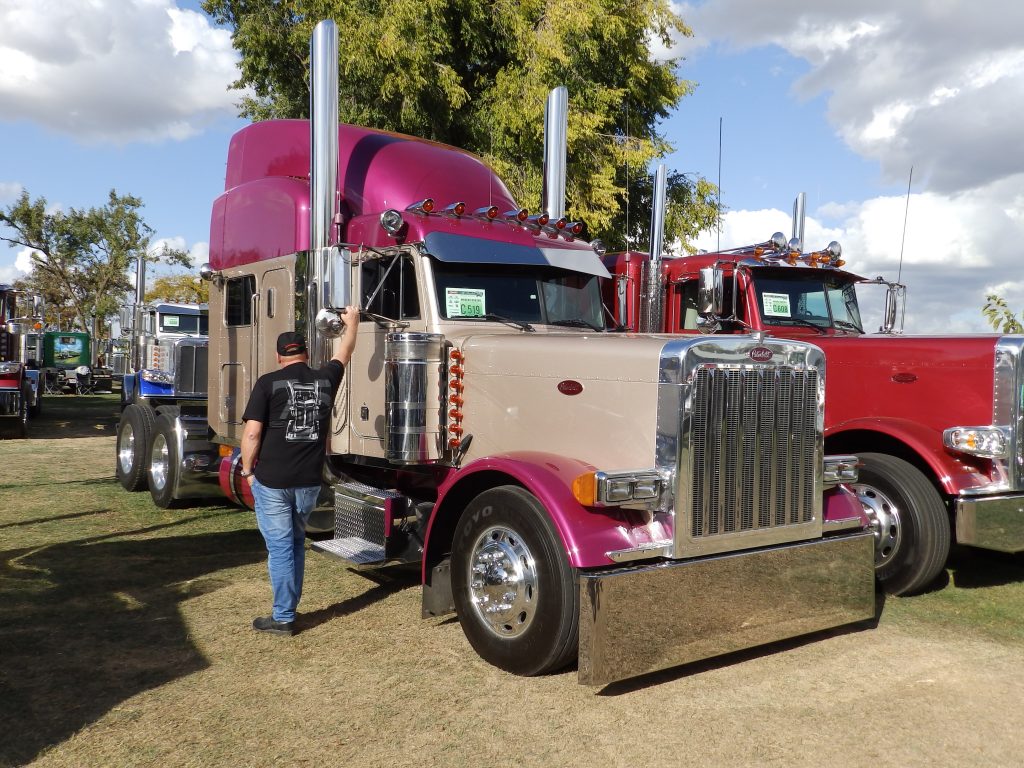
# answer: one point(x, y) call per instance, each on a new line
point(985, 442)
point(841, 469)
point(612, 489)
point(156, 376)
point(10, 367)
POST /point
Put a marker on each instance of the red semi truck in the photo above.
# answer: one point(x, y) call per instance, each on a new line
point(634, 501)
point(21, 391)
point(935, 421)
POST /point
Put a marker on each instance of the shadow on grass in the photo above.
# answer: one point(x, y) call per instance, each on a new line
point(52, 518)
point(389, 582)
point(977, 568)
point(76, 416)
point(87, 624)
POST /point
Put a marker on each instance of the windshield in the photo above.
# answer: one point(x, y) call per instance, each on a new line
point(530, 294)
point(191, 324)
point(820, 299)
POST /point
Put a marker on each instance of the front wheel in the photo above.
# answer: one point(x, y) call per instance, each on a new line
point(909, 519)
point(515, 592)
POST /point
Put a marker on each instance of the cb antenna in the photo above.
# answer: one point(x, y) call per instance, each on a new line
point(903, 238)
point(718, 227)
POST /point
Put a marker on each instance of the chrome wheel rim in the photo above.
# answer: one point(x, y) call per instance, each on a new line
point(158, 463)
point(884, 515)
point(503, 582)
point(127, 449)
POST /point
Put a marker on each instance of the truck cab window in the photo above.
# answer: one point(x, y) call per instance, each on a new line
point(687, 297)
point(238, 293)
point(388, 287)
point(820, 300)
point(524, 293)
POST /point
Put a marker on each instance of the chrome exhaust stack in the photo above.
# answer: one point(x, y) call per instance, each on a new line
point(556, 121)
point(327, 264)
point(799, 215)
point(650, 302)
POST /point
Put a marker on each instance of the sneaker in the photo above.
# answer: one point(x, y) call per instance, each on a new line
point(271, 627)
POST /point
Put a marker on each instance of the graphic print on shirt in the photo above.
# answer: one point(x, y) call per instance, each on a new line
point(303, 412)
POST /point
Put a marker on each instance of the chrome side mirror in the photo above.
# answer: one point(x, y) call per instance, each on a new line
point(710, 291)
point(337, 272)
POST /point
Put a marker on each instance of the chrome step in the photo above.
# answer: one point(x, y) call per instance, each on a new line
point(352, 549)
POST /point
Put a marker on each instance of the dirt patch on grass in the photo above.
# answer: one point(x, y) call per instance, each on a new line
point(125, 640)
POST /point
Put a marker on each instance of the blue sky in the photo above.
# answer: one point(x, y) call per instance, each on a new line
point(829, 98)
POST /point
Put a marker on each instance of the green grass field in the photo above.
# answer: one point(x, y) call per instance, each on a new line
point(125, 640)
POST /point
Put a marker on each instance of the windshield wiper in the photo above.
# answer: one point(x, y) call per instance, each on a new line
point(523, 326)
point(798, 321)
point(575, 323)
point(846, 326)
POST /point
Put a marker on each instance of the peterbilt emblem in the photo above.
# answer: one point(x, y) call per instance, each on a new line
point(760, 354)
point(570, 387)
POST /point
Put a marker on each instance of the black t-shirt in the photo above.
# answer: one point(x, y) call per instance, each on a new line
point(294, 406)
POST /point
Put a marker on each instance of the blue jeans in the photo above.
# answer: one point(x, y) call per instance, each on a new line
point(281, 514)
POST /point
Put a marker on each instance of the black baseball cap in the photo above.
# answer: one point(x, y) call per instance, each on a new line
point(291, 343)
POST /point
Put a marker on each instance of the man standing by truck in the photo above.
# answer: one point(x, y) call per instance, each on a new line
point(283, 449)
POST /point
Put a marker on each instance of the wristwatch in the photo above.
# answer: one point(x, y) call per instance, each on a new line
point(243, 473)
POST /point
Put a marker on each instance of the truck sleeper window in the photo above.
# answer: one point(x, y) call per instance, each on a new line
point(238, 293)
point(525, 293)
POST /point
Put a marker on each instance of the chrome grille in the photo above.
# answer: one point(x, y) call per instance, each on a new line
point(753, 446)
point(190, 368)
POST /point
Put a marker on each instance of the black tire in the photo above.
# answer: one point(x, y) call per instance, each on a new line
point(131, 457)
point(24, 409)
point(164, 462)
point(533, 627)
point(910, 520)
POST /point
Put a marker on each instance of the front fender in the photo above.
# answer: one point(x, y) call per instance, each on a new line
point(954, 473)
point(587, 533)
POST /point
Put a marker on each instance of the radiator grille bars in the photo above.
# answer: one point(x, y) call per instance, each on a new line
point(753, 445)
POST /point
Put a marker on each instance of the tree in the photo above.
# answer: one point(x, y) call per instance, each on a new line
point(81, 258)
point(185, 289)
point(999, 315)
point(476, 75)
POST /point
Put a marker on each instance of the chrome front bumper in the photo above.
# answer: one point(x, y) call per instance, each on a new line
point(646, 618)
point(991, 522)
point(10, 402)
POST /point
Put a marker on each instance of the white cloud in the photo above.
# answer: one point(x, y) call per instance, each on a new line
point(933, 84)
point(9, 191)
point(200, 253)
point(957, 249)
point(23, 260)
point(114, 70)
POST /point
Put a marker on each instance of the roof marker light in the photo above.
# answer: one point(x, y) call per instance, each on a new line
point(517, 216)
point(455, 209)
point(538, 219)
point(423, 206)
point(487, 212)
point(574, 227)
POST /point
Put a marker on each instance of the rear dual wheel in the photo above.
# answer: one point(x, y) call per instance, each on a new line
point(164, 462)
point(134, 433)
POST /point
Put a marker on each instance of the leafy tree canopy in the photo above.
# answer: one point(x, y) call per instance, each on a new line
point(81, 258)
point(476, 75)
point(183, 289)
point(999, 315)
